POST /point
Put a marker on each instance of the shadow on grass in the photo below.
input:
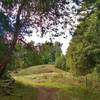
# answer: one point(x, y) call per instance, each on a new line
point(21, 92)
point(78, 93)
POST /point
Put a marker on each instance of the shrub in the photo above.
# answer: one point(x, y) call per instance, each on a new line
point(61, 62)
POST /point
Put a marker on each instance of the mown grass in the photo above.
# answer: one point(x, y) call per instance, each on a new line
point(68, 90)
point(39, 69)
point(71, 87)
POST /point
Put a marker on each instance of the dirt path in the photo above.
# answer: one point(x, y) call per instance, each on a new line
point(45, 93)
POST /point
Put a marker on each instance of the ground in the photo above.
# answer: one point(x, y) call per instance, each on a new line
point(45, 82)
point(45, 93)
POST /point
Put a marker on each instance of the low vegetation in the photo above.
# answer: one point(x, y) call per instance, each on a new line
point(47, 76)
point(21, 92)
point(23, 73)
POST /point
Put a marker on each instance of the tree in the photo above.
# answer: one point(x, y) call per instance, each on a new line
point(58, 51)
point(49, 51)
point(24, 56)
point(61, 62)
point(84, 51)
point(22, 19)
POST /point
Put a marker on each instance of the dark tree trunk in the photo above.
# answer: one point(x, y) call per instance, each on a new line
point(7, 57)
point(2, 69)
point(5, 60)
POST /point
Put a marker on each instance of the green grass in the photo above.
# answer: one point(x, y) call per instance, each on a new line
point(71, 88)
point(21, 92)
point(39, 69)
point(77, 93)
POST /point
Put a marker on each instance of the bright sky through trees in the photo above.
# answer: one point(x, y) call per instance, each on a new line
point(38, 39)
point(65, 41)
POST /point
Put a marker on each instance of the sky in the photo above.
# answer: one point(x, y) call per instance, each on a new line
point(64, 41)
point(37, 39)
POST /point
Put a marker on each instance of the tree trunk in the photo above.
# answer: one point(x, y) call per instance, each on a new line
point(7, 57)
point(5, 60)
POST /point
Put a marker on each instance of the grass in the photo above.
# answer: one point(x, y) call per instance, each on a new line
point(77, 93)
point(39, 69)
point(21, 92)
point(71, 88)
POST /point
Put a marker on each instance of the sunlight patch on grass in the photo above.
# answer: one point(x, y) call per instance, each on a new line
point(72, 88)
point(34, 84)
point(39, 69)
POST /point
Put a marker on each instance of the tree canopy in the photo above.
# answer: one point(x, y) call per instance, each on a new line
point(84, 51)
point(43, 15)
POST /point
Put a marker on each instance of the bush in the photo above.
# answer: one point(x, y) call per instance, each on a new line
point(61, 62)
point(98, 70)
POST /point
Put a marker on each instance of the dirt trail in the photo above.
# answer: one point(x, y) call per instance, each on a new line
point(45, 93)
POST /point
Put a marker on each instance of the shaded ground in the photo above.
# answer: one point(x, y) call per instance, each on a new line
point(21, 92)
point(45, 93)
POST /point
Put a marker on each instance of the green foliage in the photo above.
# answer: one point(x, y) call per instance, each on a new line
point(84, 51)
point(43, 5)
point(61, 62)
point(8, 2)
point(32, 57)
point(49, 52)
point(24, 57)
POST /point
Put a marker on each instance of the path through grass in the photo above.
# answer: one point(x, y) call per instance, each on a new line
point(45, 82)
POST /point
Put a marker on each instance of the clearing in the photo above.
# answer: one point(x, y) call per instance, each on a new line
point(45, 82)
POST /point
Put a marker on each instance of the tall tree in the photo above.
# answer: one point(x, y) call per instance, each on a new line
point(84, 51)
point(38, 14)
point(24, 56)
point(50, 51)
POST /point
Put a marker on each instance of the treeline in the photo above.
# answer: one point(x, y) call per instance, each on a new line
point(29, 55)
point(83, 54)
point(84, 51)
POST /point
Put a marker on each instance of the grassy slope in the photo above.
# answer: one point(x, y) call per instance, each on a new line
point(39, 69)
point(72, 88)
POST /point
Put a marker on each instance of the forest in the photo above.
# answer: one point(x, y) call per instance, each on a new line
point(30, 71)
